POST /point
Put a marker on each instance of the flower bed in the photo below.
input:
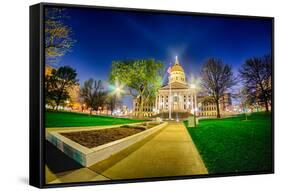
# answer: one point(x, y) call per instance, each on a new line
point(91, 146)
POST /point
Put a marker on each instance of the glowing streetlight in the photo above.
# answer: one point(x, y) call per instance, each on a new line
point(195, 82)
point(118, 89)
point(194, 87)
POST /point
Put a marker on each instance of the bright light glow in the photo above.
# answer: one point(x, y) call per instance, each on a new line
point(195, 82)
point(117, 112)
point(117, 89)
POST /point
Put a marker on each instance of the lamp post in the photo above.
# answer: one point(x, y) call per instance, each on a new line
point(117, 91)
point(193, 87)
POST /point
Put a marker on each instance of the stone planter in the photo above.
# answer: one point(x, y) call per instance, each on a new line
point(89, 156)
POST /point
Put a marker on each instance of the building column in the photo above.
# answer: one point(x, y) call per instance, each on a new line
point(180, 102)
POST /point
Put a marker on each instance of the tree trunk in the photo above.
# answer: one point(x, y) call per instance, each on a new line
point(140, 112)
point(57, 106)
point(266, 105)
point(218, 109)
point(264, 97)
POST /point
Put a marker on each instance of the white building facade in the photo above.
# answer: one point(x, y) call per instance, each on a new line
point(177, 92)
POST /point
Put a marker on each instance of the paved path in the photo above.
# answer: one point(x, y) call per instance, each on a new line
point(170, 153)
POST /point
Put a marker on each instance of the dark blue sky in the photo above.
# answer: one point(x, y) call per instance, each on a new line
point(104, 36)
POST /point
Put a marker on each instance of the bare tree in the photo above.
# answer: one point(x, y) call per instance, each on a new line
point(93, 94)
point(256, 76)
point(217, 78)
point(58, 35)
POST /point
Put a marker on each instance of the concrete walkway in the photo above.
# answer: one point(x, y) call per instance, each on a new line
point(169, 153)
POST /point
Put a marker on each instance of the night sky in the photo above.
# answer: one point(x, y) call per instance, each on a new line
point(104, 36)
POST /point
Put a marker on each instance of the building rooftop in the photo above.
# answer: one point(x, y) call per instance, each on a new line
point(174, 85)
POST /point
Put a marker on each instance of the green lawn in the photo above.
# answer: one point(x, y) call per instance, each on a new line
point(233, 144)
point(70, 119)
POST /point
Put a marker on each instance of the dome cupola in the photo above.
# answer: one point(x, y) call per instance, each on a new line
point(177, 67)
point(177, 73)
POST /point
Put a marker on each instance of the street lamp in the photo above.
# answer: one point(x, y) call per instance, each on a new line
point(116, 92)
point(193, 87)
point(118, 89)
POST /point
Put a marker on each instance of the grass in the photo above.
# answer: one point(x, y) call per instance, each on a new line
point(70, 119)
point(235, 145)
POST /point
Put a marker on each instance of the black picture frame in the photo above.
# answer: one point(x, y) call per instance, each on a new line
point(37, 118)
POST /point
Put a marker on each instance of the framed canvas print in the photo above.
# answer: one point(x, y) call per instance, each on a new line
point(124, 95)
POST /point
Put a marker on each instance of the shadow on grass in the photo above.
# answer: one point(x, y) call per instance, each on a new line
point(57, 161)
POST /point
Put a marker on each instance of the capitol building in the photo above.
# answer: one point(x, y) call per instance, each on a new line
point(178, 98)
point(177, 91)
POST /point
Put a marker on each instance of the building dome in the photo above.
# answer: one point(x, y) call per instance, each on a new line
point(177, 73)
point(177, 67)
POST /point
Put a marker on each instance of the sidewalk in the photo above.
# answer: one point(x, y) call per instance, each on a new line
point(170, 153)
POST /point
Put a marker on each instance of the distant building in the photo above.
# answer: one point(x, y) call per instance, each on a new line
point(147, 111)
point(74, 101)
point(207, 107)
point(48, 70)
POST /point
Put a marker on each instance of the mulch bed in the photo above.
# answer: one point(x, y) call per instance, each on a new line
point(94, 138)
